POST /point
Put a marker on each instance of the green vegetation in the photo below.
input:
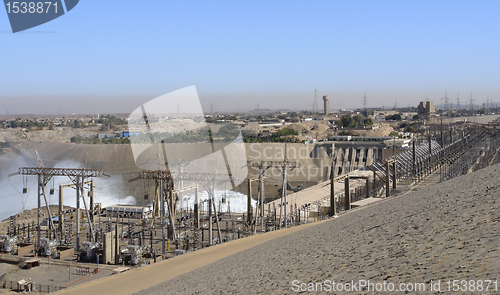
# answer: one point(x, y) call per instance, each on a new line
point(410, 129)
point(105, 140)
point(107, 122)
point(395, 117)
point(367, 113)
point(348, 121)
point(285, 132)
point(283, 135)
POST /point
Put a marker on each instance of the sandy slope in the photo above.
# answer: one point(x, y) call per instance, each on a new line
point(444, 232)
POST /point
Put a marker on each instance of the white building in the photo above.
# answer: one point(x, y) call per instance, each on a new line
point(398, 142)
point(128, 211)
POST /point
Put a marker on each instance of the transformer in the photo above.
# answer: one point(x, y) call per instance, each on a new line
point(49, 247)
point(135, 253)
point(9, 244)
point(89, 249)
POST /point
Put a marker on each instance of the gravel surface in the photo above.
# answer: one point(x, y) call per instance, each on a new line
point(449, 231)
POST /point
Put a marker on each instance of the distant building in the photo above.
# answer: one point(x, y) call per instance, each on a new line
point(398, 143)
point(426, 109)
point(341, 137)
point(104, 135)
point(128, 211)
point(130, 133)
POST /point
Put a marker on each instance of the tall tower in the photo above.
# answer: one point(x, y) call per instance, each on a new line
point(315, 104)
point(365, 104)
point(325, 100)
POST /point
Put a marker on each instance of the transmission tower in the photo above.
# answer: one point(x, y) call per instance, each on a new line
point(7, 121)
point(365, 104)
point(487, 104)
point(471, 103)
point(446, 101)
point(315, 104)
point(395, 104)
point(458, 102)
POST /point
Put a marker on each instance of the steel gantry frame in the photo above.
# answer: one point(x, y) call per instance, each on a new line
point(76, 175)
point(166, 188)
point(263, 166)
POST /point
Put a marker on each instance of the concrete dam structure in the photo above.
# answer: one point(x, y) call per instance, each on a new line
point(314, 161)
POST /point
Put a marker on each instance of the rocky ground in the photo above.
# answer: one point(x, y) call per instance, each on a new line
point(441, 233)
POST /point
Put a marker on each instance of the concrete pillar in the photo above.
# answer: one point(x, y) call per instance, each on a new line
point(451, 133)
point(78, 214)
point(61, 211)
point(367, 187)
point(430, 151)
point(162, 216)
point(117, 247)
point(333, 209)
point(39, 211)
point(92, 205)
point(249, 201)
point(387, 180)
point(394, 177)
point(414, 158)
point(261, 197)
point(284, 195)
point(196, 209)
point(347, 201)
point(442, 134)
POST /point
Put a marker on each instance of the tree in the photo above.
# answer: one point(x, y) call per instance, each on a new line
point(347, 121)
point(395, 117)
point(410, 129)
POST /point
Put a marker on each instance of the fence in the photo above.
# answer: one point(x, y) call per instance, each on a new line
point(31, 286)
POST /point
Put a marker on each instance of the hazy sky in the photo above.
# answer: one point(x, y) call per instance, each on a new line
point(112, 56)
